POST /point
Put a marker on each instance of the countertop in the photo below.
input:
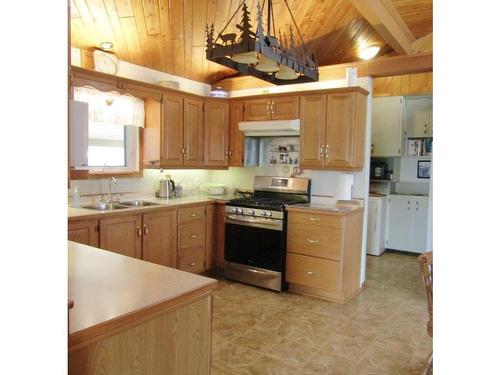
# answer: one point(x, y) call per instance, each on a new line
point(411, 194)
point(111, 291)
point(340, 208)
point(174, 202)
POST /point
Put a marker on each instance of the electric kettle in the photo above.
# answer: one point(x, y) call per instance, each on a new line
point(166, 188)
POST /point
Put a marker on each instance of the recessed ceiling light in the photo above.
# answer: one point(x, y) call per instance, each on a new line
point(369, 52)
point(106, 46)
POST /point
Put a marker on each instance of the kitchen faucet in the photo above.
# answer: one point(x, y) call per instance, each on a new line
point(111, 181)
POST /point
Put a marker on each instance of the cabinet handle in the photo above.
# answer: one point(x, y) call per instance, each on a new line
point(155, 161)
point(139, 231)
point(321, 152)
point(268, 107)
point(311, 273)
point(273, 107)
point(425, 129)
point(185, 150)
point(192, 264)
point(327, 150)
point(408, 205)
point(193, 215)
point(230, 152)
point(312, 241)
point(313, 218)
point(372, 148)
point(145, 229)
point(193, 236)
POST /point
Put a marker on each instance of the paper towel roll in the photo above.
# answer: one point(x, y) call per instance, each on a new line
point(344, 186)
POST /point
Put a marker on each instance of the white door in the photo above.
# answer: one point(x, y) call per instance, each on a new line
point(372, 241)
point(387, 126)
point(399, 228)
point(420, 215)
point(418, 117)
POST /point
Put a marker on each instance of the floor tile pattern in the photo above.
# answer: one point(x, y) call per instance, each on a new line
point(381, 331)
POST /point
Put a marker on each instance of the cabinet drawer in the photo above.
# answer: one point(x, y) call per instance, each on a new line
point(316, 219)
point(313, 272)
point(309, 239)
point(191, 213)
point(192, 260)
point(192, 235)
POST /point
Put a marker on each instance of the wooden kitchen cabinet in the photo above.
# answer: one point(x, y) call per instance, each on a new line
point(332, 134)
point(216, 133)
point(122, 234)
point(324, 253)
point(173, 135)
point(84, 231)
point(236, 137)
point(387, 126)
point(221, 233)
point(272, 108)
point(191, 239)
point(418, 117)
point(407, 228)
point(210, 235)
point(159, 237)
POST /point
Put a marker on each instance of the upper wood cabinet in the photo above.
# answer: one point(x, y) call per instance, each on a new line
point(236, 137)
point(272, 108)
point(173, 136)
point(216, 133)
point(122, 235)
point(387, 126)
point(333, 130)
point(159, 237)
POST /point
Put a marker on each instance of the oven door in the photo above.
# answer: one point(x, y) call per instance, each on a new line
point(254, 246)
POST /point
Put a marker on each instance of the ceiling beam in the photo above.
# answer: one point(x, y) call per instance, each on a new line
point(388, 23)
point(381, 67)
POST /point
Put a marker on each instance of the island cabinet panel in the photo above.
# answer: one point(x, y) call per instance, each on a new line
point(172, 130)
point(236, 137)
point(312, 130)
point(216, 134)
point(193, 132)
point(122, 235)
point(324, 253)
point(159, 241)
point(175, 342)
point(84, 231)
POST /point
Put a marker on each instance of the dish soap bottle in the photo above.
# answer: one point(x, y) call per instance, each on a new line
point(76, 197)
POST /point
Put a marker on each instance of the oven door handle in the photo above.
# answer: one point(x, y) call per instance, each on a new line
point(267, 222)
point(272, 224)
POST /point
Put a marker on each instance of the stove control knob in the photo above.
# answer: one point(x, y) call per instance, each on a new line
point(262, 213)
point(239, 210)
point(234, 210)
point(251, 212)
point(269, 213)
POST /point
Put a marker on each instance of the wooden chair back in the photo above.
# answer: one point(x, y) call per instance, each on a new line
point(425, 261)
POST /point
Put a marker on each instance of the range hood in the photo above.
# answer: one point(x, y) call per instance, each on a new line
point(270, 128)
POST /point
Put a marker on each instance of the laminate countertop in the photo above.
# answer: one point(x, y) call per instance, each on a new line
point(76, 213)
point(111, 292)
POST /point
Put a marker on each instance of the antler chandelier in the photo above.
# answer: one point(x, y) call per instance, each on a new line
point(264, 56)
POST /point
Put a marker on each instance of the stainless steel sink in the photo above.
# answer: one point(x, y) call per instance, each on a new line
point(105, 206)
point(139, 203)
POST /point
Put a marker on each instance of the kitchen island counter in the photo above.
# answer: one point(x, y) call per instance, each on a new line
point(128, 310)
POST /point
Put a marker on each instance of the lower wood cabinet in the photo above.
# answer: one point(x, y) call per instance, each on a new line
point(122, 234)
point(324, 253)
point(221, 235)
point(159, 241)
point(84, 231)
point(183, 238)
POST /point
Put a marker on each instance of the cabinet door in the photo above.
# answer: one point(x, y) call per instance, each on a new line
point(121, 235)
point(151, 136)
point(159, 243)
point(399, 231)
point(210, 235)
point(216, 134)
point(193, 132)
point(172, 132)
point(420, 215)
point(341, 112)
point(257, 109)
point(387, 126)
point(236, 137)
point(312, 130)
point(84, 231)
point(285, 108)
point(418, 117)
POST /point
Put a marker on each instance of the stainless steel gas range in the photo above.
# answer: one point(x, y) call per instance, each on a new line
point(255, 242)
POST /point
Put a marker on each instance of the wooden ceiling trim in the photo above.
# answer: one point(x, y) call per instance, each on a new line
point(417, 14)
point(384, 18)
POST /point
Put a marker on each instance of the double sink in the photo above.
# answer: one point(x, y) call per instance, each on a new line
point(104, 206)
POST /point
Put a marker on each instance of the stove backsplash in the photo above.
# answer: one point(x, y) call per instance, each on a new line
point(272, 151)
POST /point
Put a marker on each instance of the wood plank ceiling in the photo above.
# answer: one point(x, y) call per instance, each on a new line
point(168, 35)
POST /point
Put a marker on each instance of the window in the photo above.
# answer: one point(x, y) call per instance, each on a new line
point(113, 130)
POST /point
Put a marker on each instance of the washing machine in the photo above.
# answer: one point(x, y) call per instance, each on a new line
point(377, 219)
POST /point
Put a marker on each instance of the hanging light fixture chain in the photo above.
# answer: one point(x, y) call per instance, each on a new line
point(295, 23)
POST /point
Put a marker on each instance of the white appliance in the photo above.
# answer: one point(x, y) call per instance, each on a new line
point(377, 219)
point(344, 187)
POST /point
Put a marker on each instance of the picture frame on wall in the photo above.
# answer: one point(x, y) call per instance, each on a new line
point(424, 169)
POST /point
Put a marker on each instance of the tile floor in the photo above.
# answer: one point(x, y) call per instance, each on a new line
point(381, 331)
